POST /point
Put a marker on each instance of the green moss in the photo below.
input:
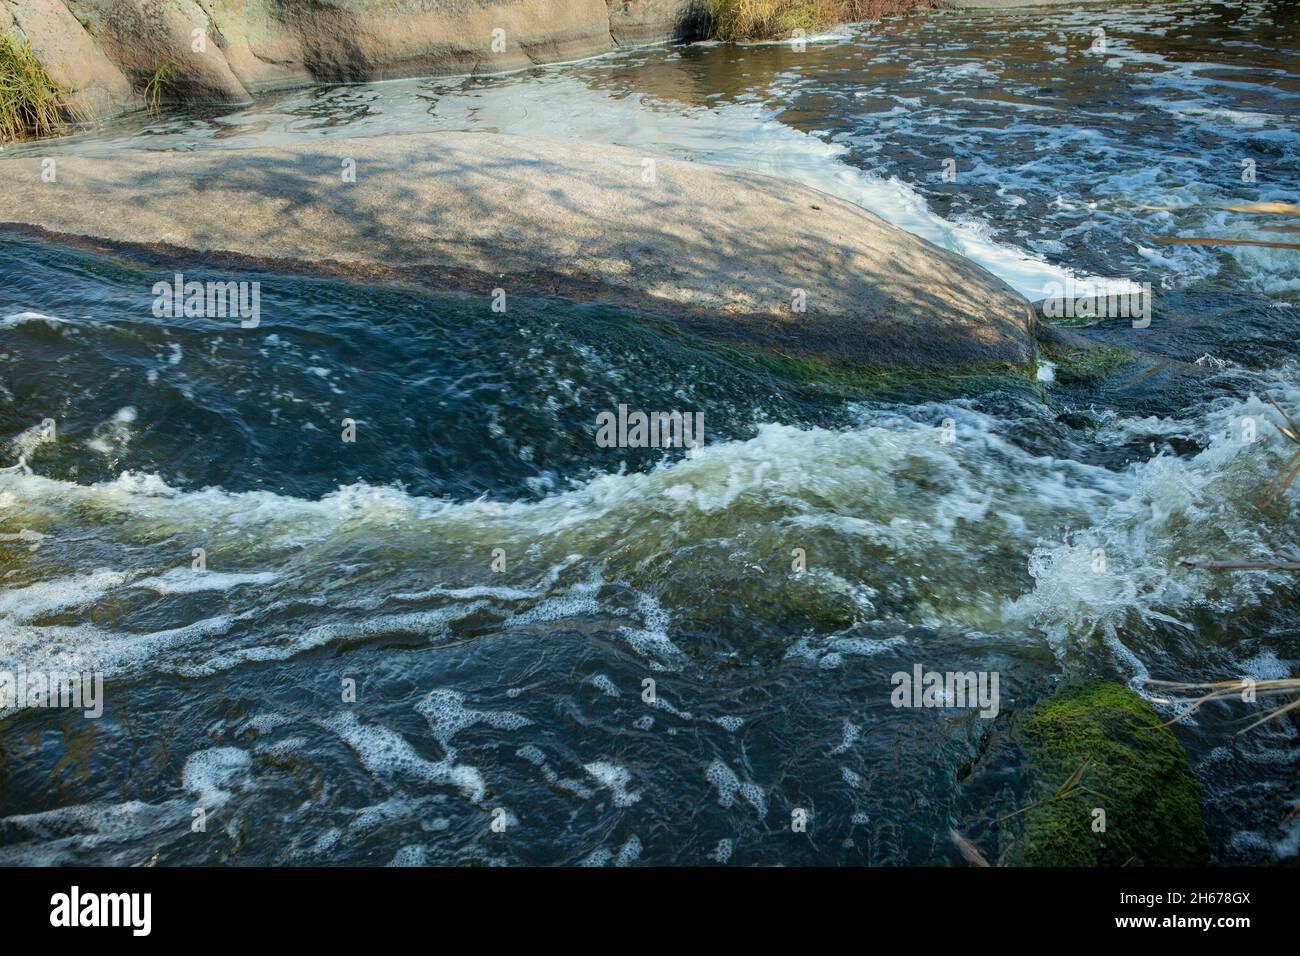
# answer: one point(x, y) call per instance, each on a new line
point(1137, 770)
point(889, 384)
point(1070, 321)
point(1084, 366)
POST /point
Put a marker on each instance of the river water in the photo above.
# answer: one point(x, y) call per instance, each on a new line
point(500, 589)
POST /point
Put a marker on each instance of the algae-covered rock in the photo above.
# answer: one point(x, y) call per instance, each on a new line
point(1135, 769)
point(1078, 366)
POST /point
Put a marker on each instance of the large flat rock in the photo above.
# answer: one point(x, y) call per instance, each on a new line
point(727, 253)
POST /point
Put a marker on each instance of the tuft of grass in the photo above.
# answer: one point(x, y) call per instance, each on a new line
point(778, 19)
point(159, 83)
point(31, 103)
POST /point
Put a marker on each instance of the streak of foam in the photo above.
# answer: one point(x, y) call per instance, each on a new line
point(186, 581)
point(447, 715)
point(389, 757)
point(23, 318)
point(64, 836)
point(60, 594)
point(537, 758)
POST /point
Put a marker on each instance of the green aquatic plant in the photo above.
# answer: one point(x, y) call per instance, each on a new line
point(159, 83)
point(32, 104)
point(884, 383)
point(1079, 365)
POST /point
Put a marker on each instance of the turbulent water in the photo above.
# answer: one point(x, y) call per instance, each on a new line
point(500, 589)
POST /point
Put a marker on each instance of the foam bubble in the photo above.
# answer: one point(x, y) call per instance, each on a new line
point(409, 856)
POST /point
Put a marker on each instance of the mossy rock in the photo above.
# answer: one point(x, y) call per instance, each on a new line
point(1085, 366)
point(1137, 772)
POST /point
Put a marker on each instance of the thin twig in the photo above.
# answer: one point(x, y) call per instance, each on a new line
point(1289, 563)
point(1068, 789)
point(969, 852)
point(1223, 690)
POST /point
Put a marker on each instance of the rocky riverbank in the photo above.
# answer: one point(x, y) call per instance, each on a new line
point(114, 54)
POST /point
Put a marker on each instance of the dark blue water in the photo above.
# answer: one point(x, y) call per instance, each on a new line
point(500, 589)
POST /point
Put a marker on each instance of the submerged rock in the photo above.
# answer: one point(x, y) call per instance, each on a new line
point(737, 257)
point(1134, 770)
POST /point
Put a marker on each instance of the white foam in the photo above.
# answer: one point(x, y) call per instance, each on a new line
point(447, 715)
point(722, 852)
point(630, 852)
point(537, 758)
point(409, 856)
point(728, 785)
point(389, 756)
point(855, 488)
point(213, 775)
point(615, 779)
point(20, 605)
point(22, 318)
point(849, 734)
point(1284, 847)
point(1171, 509)
point(187, 581)
point(112, 832)
point(1266, 666)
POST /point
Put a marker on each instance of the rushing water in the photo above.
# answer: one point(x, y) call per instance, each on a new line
point(499, 587)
